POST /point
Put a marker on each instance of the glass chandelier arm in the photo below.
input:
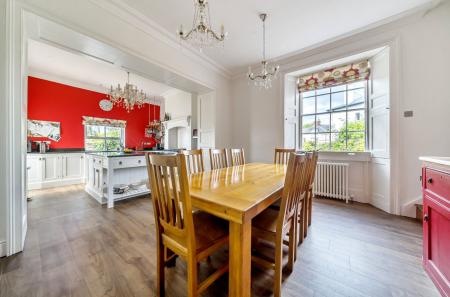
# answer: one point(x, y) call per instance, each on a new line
point(220, 37)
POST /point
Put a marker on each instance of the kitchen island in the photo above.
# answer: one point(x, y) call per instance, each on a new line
point(106, 171)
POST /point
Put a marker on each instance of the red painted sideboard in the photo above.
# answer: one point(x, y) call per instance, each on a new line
point(436, 221)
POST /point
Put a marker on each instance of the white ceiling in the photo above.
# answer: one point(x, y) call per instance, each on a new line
point(292, 25)
point(52, 62)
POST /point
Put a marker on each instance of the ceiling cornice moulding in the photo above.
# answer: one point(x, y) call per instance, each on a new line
point(381, 27)
point(148, 26)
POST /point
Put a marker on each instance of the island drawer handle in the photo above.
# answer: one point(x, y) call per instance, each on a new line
point(120, 162)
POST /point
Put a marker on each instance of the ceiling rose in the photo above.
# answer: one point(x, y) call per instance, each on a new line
point(201, 35)
point(267, 72)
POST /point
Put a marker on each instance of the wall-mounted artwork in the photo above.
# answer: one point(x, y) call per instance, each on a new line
point(47, 129)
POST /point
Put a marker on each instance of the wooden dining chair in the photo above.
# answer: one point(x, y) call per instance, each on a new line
point(310, 195)
point(194, 161)
point(192, 236)
point(274, 225)
point(218, 158)
point(237, 157)
point(304, 218)
point(282, 155)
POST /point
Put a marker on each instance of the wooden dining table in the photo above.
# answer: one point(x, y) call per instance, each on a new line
point(238, 194)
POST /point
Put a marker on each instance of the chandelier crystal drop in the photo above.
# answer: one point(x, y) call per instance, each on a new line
point(264, 78)
point(202, 35)
point(128, 97)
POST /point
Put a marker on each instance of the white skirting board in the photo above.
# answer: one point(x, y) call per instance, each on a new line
point(2, 248)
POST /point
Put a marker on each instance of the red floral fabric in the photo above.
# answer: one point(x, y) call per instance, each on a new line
point(334, 76)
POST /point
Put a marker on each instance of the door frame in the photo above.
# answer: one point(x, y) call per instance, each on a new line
point(19, 29)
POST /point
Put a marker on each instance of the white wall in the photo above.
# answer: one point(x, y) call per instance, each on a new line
point(3, 97)
point(257, 119)
point(178, 103)
point(424, 47)
point(425, 75)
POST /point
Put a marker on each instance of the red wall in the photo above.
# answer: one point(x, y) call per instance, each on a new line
point(50, 101)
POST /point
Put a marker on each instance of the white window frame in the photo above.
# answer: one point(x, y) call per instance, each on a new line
point(366, 117)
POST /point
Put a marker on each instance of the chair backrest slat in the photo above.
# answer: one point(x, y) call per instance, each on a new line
point(282, 155)
point(237, 157)
point(218, 158)
point(295, 186)
point(171, 198)
point(194, 161)
point(314, 157)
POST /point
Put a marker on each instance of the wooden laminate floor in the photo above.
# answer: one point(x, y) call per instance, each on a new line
point(75, 247)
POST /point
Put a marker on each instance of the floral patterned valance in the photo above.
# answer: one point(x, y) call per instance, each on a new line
point(334, 76)
point(104, 122)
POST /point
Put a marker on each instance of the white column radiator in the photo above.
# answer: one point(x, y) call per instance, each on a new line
point(331, 180)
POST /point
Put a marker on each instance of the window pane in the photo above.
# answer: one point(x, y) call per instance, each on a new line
point(338, 141)
point(323, 103)
point(323, 91)
point(96, 131)
point(338, 101)
point(308, 124)
point(308, 94)
point(356, 85)
point(323, 142)
point(356, 98)
point(338, 88)
point(94, 145)
point(308, 142)
point(309, 105)
point(338, 121)
point(113, 145)
point(323, 123)
point(113, 132)
point(356, 121)
point(356, 141)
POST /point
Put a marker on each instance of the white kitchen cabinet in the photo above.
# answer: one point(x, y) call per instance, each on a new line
point(72, 166)
point(51, 167)
point(34, 165)
point(55, 170)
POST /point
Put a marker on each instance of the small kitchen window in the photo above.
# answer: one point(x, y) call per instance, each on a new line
point(103, 134)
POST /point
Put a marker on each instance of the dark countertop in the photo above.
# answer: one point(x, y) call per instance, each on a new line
point(61, 151)
point(132, 154)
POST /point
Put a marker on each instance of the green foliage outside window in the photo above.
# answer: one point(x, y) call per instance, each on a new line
point(355, 139)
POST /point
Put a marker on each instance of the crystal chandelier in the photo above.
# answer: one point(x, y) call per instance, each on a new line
point(128, 97)
point(202, 35)
point(264, 78)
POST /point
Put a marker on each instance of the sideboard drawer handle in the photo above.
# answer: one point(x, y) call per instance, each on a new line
point(430, 180)
point(426, 218)
point(120, 162)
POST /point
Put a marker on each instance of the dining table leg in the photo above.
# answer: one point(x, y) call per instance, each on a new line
point(240, 259)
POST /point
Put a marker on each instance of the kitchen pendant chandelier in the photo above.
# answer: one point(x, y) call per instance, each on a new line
point(264, 78)
point(202, 35)
point(128, 97)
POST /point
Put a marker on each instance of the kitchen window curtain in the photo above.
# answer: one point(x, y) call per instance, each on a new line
point(334, 76)
point(104, 122)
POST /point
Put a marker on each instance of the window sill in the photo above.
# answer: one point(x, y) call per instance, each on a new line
point(345, 156)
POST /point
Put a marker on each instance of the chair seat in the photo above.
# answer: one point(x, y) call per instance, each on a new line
point(267, 220)
point(209, 229)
